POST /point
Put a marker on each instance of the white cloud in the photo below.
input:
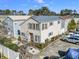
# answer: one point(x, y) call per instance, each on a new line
point(46, 4)
point(40, 1)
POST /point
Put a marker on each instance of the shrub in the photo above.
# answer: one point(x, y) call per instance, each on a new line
point(19, 38)
point(40, 46)
point(52, 39)
point(47, 41)
point(7, 42)
point(12, 46)
point(71, 25)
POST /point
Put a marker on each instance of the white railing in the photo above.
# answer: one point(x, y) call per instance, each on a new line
point(10, 54)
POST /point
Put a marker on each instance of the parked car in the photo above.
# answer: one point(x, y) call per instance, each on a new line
point(76, 32)
point(63, 38)
point(71, 33)
point(73, 39)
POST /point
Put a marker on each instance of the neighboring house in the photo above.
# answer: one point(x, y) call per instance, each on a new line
point(66, 19)
point(69, 18)
point(12, 23)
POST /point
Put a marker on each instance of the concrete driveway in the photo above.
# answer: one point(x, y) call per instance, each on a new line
point(53, 48)
point(58, 45)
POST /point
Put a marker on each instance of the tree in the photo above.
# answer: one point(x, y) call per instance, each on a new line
point(68, 12)
point(45, 11)
point(71, 25)
point(13, 12)
point(8, 12)
point(20, 13)
point(0, 12)
point(74, 12)
point(19, 38)
point(42, 11)
point(30, 12)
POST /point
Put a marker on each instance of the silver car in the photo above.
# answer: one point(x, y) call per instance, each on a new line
point(72, 39)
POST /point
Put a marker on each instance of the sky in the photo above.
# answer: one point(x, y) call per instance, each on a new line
point(53, 5)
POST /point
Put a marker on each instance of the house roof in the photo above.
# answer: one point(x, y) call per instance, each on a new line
point(66, 17)
point(19, 18)
point(46, 18)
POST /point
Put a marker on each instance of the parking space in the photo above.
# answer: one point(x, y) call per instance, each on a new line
point(52, 50)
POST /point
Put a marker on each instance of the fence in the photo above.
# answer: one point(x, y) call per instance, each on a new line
point(10, 54)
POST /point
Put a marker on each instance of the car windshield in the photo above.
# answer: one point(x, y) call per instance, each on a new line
point(76, 32)
point(74, 38)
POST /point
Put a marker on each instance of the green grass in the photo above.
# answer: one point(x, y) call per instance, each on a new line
point(8, 43)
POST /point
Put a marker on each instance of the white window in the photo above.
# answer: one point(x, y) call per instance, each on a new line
point(37, 38)
point(30, 26)
point(58, 22)
point(33, 26)
point(51, 23)
point(37, 27)
point(51, 33)
point(44, 26)
point(63, 24)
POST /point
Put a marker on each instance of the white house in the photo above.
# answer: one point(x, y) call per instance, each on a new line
point(36, 28)
point(12, 23)
point(41, 28)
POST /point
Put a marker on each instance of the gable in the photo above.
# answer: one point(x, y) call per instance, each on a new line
point(7, 19)
point(31, 20)
point(24, 25)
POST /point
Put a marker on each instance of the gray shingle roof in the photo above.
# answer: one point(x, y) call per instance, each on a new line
point(46, 18)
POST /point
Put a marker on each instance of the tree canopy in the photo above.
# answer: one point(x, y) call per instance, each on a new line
point(68, 12)
point(72, 25)
point(11, 12)
point(42, 11)
point(46, 12)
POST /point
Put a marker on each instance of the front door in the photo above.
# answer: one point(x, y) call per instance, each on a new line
point(31, 36)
